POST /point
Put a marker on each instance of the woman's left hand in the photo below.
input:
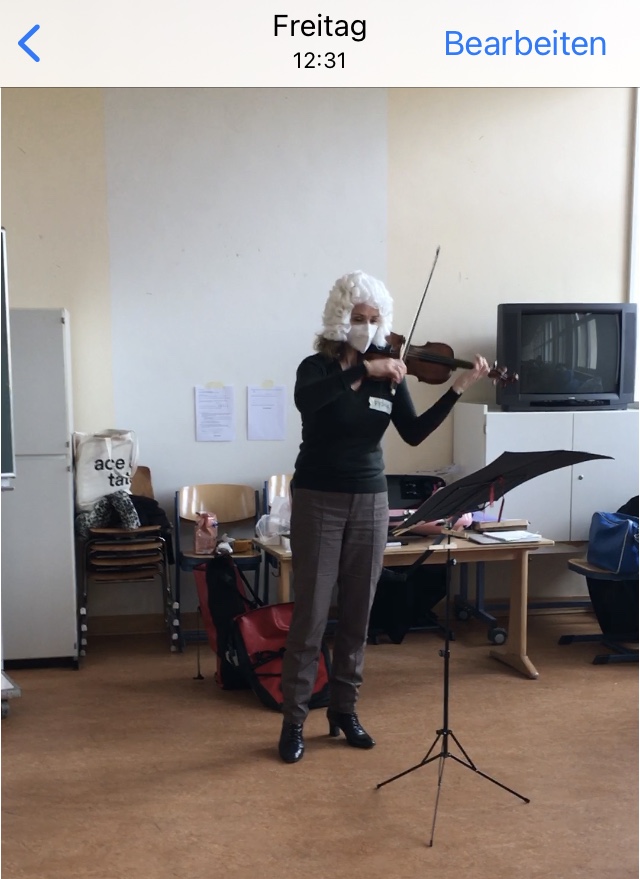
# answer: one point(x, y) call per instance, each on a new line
point(469, 377)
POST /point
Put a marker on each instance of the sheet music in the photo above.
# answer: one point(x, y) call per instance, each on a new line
point(513, 536)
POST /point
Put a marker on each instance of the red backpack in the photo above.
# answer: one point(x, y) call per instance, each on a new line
point(257, 646)
point(249, 639)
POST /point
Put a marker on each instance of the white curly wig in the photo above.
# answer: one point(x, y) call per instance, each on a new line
point(354, 289)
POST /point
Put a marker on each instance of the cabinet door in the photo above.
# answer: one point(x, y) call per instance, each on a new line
point(41, 375)
point(603, 485)
point(544, 500)
point(38, 561)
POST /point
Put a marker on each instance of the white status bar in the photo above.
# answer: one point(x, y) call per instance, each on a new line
point(282, 43)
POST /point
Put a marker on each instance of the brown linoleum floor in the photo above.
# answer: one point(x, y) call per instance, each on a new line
point(130, 768)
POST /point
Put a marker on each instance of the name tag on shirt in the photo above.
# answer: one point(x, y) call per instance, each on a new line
point(380, 404)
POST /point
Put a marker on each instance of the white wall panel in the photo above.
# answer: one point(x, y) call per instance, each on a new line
point(231, 213)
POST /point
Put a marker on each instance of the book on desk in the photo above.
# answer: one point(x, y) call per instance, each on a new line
point(500, 525)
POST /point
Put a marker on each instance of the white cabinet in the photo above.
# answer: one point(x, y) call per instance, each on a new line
point(559, 504)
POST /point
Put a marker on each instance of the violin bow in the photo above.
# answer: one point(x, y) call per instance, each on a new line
point(405, 352)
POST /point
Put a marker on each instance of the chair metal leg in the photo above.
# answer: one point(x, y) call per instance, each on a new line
point(167, 601)
point(83, 609)
point(265, 588)
point(177, 608)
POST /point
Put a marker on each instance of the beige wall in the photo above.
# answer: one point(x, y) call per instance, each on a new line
point(528, 193)
point(54, 208)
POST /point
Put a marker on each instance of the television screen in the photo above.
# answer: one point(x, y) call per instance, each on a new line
point(569, 353)
point(567, 356)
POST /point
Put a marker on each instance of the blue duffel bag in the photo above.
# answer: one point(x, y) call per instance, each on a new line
point(613, 543)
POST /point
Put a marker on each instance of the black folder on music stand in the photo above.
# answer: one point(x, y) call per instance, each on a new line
point(489, 484)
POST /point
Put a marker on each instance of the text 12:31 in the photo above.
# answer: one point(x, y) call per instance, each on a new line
point(313, 59)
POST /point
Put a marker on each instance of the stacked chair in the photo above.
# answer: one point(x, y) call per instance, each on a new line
point(116, 555)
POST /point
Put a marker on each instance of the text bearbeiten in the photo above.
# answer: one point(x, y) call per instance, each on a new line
point(521, 44)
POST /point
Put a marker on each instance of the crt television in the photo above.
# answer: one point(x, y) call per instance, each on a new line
point(567, 357)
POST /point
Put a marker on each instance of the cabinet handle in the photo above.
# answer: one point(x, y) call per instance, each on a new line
point(581, 476)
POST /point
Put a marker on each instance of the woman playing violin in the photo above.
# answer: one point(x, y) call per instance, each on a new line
point(339, 506)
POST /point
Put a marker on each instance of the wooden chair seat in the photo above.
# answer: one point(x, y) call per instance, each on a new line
point(135, 576)
point(125, 561)
point(108, 548)
point(125, 534)
point(252, 556)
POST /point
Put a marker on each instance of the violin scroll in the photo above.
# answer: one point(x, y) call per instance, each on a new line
point(501, 376)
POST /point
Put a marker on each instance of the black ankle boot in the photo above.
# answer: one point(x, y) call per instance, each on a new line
point(291, 744)
point(350, 726)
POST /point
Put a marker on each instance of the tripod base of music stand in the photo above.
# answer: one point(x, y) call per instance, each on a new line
point(443, 736)
point(445, 732)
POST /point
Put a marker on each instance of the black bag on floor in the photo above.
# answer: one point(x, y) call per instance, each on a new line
point(406, 601)
point(222, 596)
point(615, 604)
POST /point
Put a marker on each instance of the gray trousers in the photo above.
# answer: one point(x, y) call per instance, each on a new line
point(335, 538)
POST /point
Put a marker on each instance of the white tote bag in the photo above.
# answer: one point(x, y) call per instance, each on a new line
point(104, 462)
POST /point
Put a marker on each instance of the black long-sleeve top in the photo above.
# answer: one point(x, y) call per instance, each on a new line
point(342, 428)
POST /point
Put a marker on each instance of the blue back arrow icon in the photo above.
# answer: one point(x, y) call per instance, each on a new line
point(23, 42)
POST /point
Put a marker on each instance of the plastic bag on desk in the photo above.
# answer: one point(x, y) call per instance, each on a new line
point(269, 530)
point(280, 513)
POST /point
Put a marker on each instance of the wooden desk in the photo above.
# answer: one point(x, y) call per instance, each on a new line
point(514, 652)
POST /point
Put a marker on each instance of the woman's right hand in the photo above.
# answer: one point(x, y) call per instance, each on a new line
point(480, 369)
point(386, 368)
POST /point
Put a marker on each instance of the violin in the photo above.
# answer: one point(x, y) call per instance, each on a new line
point(432, 362)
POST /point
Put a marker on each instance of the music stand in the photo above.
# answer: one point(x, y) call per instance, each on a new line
point(477, 490)
point(467, 495)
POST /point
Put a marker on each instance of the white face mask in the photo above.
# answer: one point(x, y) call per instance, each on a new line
point(360, 336)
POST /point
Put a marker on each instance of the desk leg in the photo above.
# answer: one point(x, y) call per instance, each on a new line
point(514, 653)
point(284, 583)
